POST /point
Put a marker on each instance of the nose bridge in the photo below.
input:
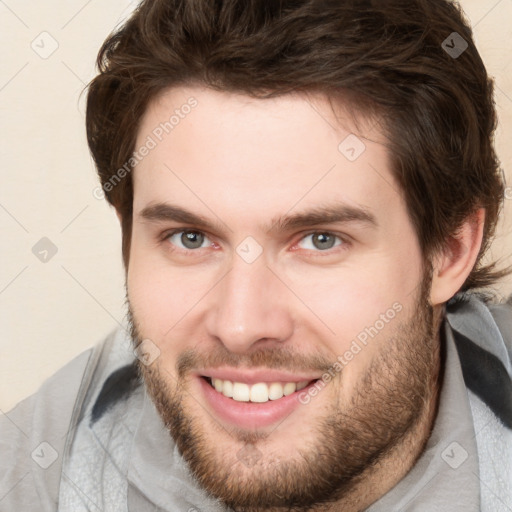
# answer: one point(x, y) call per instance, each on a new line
point(248, 307)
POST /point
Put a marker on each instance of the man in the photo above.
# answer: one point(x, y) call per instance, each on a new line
point(306, 191)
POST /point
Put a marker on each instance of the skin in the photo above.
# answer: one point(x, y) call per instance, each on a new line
point(242, 163)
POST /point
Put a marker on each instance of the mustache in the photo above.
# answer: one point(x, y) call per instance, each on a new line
point(275, 358)
point(272, 358)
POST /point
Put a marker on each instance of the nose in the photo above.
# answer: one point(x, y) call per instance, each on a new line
point(250, 308)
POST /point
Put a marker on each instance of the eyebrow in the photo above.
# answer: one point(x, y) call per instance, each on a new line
point(342, 213)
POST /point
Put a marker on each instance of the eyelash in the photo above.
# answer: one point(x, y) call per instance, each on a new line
point(344, 245)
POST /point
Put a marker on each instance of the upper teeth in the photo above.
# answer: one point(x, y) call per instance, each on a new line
point(260, 392)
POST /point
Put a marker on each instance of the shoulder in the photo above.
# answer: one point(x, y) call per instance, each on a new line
point(482, 332)
point(485, 322)
point(33, 435)
point(502, 314)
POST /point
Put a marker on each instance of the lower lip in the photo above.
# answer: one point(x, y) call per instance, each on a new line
point(251, 415)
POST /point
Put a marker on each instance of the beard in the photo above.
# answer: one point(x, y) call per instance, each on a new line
point(391, 399)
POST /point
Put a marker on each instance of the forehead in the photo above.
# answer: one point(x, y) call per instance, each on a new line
point(233, 155)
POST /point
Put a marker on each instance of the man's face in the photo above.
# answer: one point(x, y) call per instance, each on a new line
point(301, 269)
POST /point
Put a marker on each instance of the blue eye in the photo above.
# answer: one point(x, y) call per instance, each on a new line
point(188, 239)
point(321, 241)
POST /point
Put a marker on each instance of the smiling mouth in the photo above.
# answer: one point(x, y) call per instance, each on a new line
point(260, 392)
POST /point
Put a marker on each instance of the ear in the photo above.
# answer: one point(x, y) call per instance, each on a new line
point(455, 263)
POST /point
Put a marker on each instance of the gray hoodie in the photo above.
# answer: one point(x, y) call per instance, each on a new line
point(91, 439)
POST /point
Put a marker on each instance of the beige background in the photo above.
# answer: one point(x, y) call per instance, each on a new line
point(51, 311)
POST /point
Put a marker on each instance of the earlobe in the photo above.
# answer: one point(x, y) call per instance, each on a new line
point(453, 266)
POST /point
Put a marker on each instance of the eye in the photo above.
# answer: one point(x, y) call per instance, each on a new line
point(320, 241)
point(188, 239)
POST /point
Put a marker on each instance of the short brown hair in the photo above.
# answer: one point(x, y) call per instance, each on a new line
point(389, 57)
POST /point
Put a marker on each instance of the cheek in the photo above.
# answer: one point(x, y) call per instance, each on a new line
point(159, 294)
point(349, 300)
point(168, 302)
point(357, 308)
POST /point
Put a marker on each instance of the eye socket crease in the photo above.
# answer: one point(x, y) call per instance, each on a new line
point(321, 215)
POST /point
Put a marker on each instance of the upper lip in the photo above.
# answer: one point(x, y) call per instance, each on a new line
point(252, 376)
